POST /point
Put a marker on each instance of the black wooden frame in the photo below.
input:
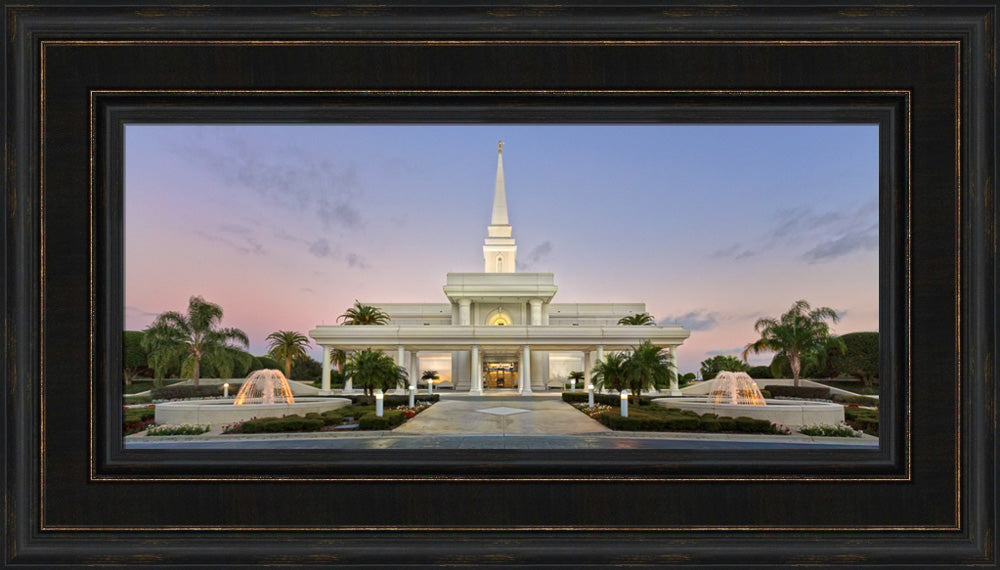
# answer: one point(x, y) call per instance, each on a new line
point(924, 72)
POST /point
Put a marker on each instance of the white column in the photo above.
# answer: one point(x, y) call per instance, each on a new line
point(463, 311)
point(536, 311)
point(325, 381)
point(587, 368)
point(674, 387)
point(525, 375)
point(477, 372)
point(348, 385)
point(400, 360)
point(414, 368)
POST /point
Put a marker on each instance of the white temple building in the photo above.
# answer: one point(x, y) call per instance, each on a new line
point(499, 329)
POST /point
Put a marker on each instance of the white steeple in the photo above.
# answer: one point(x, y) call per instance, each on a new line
point(499, 248)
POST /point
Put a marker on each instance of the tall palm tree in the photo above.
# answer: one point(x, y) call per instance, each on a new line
point(609, 374)
point(801, 333)
point(361, 314)
point(338, 358)
point(287, 346)
point(374, 370)
point(646, 367)
point(576, 375)
point(193, 336)
point(637, 319)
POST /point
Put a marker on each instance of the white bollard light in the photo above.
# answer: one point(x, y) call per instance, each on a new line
point(624, 397)
point(378, 402)
point(413, 390)
point(572, 385)
point(225, 390)
point(430, 385)
point(590, 395)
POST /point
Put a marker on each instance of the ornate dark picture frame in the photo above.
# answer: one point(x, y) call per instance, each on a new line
point(75, 76)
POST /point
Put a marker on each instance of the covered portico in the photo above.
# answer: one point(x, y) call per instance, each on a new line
point(481, 342)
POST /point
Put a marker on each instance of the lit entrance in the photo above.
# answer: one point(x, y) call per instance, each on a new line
point(499, 375)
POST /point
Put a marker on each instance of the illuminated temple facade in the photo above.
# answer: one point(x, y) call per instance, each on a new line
point(499, 329)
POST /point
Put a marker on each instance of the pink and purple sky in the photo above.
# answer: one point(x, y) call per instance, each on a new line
point(712, 226)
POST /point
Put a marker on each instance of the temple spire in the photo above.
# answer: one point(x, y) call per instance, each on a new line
point(499, 217)
point(499, 249)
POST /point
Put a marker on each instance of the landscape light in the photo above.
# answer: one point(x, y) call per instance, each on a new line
point(225, 389)
point(378, 402)
point(624, 397)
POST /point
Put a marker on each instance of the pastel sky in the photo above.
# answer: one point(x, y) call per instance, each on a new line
point(712, 226)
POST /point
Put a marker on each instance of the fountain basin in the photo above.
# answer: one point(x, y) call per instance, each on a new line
point(217, 412)
point(789, 413)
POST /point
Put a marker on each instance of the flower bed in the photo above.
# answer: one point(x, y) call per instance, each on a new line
point(822, 430)
point(595, 411)
point(136, 419)
point(409, 412)
point(182, 429)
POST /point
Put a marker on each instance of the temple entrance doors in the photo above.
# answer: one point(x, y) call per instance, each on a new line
point(500, 375)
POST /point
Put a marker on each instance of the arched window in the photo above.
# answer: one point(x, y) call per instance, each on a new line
point(500, 318)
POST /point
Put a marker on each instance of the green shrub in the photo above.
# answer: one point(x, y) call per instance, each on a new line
point(268, 363)
point(606, 399)
point(862, 357)
point(306, 369)
point(760, 372)
point(389, 420)
point(807, 392)
point(280, 425)
point(183, 429)
point(864, 419)
point(393, 399)
point(766, 394)
point(841, 430)
point(712, 366)
point(204, 391)
point(859, 400)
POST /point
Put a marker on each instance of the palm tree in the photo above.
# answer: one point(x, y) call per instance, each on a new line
point(287, 346)
point(193, 336)
point(797, 335)
point(646, 367)
point(339, 358)
point(637, 319)
point(361, 314)
point(429, 376)
point(609, 374)
point(374, 370)
point(576, 375)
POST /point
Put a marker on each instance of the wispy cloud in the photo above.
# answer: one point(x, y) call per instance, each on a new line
point(865, 239)
point(133, 311)
point(288, 177)
point(537, 253)
point(734, 252)
point(240, 238)
point(698, 320)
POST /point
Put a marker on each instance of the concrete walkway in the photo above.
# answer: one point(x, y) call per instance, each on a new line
point(499, 415)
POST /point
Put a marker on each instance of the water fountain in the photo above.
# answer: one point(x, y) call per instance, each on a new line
point(265, 393)
point(735, 388)
point(735, 394)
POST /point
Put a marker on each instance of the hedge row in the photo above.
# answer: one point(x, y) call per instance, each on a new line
point(864, 419)
point(364, 415)
point(180, 392)
point(393, 399)
point(807, 392)
point(859, 400)
point(672, 419)
point(614, 400)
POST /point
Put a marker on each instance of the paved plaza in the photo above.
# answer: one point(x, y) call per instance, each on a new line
point(496, 421)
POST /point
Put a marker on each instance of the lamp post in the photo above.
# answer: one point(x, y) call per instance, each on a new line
point(590, 395)
point(624, 397)
point(378, 402)
point(430, 386)
point(413, 390)
point(572, 385)
point(225, 390)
